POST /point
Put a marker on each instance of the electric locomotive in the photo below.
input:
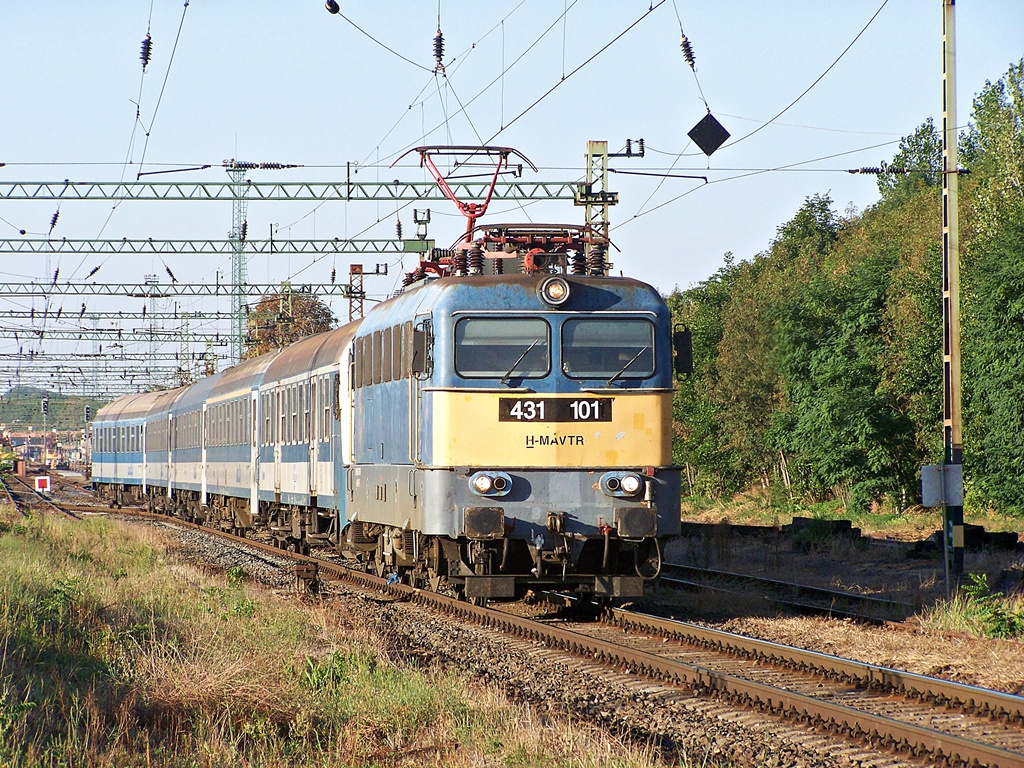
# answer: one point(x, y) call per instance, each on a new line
point(495, 433)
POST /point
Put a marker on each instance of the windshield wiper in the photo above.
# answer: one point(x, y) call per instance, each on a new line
point(506, 377)
point(632, 360)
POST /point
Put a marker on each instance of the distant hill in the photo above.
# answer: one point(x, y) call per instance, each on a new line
point(21, 407)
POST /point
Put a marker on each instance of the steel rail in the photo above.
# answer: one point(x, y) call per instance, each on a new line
point(944, 692)
point(806, 609)
point(8, 496)
point(821, 593)
point(39, 500)
point(877, 730)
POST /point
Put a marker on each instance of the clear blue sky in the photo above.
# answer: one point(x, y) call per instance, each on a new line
point(288, 82)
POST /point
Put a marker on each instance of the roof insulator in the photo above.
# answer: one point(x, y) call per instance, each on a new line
point(688, 52)
point(147, 51)
point(438, 52)
point(398, 228)
point(53, 219)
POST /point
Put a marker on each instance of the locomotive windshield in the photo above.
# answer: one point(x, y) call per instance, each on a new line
point(608, 348)
point(502, 349)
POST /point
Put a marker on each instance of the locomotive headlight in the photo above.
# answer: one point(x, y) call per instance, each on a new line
point(631, 484)
point(490, 483)
point(554, 291)
point(622, 484)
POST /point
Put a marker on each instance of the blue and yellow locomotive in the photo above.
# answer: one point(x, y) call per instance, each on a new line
point(497, 433)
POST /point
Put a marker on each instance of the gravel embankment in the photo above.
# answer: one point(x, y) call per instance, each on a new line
point(673, 719)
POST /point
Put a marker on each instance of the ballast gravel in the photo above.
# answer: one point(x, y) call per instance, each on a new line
point(685, 728)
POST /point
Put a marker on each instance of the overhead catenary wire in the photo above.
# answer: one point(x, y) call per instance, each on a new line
point(605, 47)
point(145, 56)
point(336, 11)
point(757, 172)
point(486, 88)
point(820, 77)
point(163, 86)
point(688, 55)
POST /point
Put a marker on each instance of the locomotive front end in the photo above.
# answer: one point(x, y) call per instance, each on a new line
point(547, 435)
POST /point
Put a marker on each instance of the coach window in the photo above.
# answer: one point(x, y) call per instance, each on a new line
point(286, 419)
point(376, 357)
point(396, 353)
point(363, 363)
point(303, 411)
point(360, 362)
point(506, 348)
point(367, 369)
point(325, 407)
point(608, 348)
point(282, 419)
point(385, 355)
point(407, 349)
point(293, 425)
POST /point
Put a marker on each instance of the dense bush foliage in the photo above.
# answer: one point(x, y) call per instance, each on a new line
point(818, 360)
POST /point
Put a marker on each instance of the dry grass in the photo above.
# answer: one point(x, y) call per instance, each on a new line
point(116, 655)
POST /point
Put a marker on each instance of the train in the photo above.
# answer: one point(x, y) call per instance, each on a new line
point(490, 431)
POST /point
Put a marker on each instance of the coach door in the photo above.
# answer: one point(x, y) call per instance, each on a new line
point(280, 421)
point(310, 406)
point(254, 453)
point(202, 466)
point(145, 455)
point(172, 440)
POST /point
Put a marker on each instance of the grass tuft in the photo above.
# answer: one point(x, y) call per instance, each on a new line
point(977, 610)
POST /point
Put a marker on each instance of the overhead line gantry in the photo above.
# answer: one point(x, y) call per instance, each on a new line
point(345, 191)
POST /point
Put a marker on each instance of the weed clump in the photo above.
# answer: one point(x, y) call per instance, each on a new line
point(975, 609)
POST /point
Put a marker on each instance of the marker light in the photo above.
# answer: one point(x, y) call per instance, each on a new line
point(554, 291)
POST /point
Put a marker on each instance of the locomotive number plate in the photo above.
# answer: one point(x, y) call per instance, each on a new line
point(532, 409)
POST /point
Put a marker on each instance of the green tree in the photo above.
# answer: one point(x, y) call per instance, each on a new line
point(280, 319)
point(993, 150)
point(698, 445)
point(994, 372)
point(920, 155)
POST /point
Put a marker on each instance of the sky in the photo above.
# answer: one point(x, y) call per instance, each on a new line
point(288, 82)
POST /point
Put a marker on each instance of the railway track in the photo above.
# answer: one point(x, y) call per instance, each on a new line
point(798, 598)
point(24, 498)
point(924, 718)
